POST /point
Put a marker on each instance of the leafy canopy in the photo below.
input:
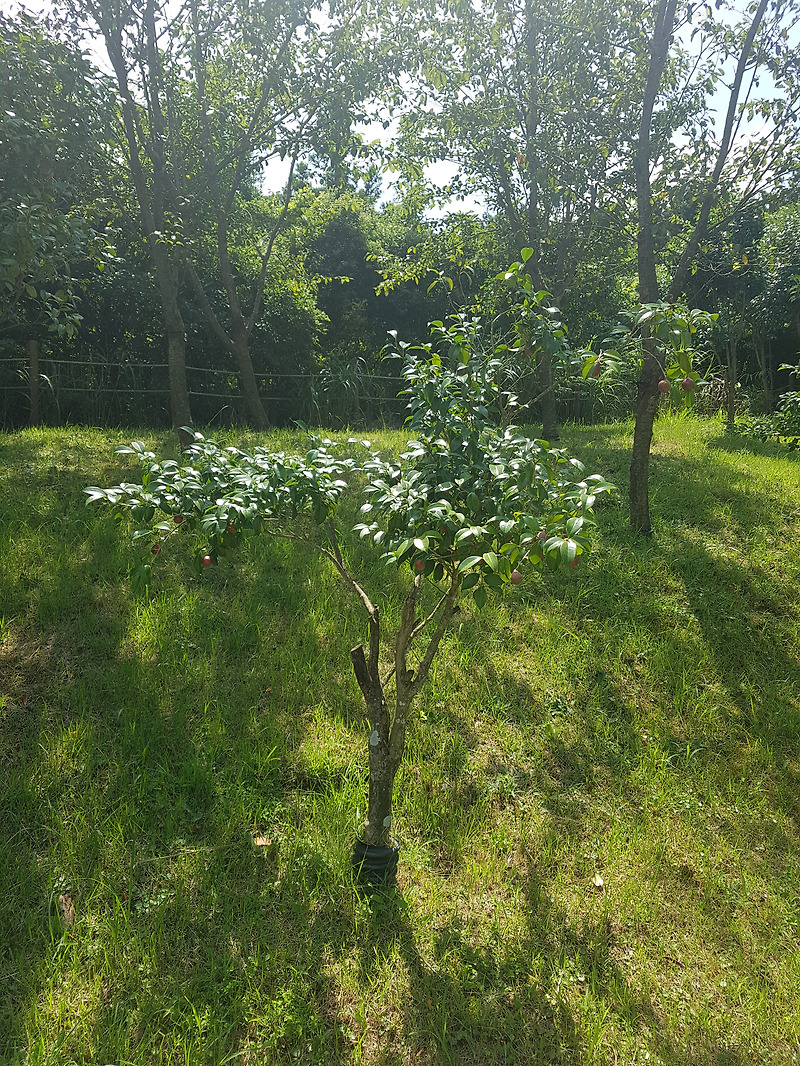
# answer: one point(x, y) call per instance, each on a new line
point(467, 500)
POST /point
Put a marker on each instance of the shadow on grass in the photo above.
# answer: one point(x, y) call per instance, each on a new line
point(444, 1002)
point(136, 768)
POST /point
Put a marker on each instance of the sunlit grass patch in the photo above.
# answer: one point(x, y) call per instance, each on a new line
point(598, 810)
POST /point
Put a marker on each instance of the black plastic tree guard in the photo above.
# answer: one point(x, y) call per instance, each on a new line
point(373, 864)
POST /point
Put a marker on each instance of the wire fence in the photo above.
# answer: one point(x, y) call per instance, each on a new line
point(98, 392)
point(104, 393)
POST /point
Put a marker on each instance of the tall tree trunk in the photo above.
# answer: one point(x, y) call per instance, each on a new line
point(544, 360)
point(731, 380)
point(647, 398)
point(237, 336)
point(33, 380)
point(762, 354)
point(546, 387)
point(151, 196)
point(647, 391)
point(256, 414)
point(175, 330)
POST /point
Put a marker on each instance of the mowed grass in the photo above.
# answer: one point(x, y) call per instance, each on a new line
point(598, 810)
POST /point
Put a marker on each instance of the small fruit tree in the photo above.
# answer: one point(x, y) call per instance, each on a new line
point(466, 508)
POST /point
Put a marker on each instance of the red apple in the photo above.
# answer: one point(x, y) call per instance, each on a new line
point(688, 384)
point(664, 385)
point(516, 577)
point(419, 565)
point(177, 519)
point(206, 560)
point(156, 549)
point(595, 371)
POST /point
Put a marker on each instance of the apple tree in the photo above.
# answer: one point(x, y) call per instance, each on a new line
point(466, 509)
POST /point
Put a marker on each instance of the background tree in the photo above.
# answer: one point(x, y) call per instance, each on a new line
point(55, 127)
point(746, 165)
point(219, 91)
point(534, 108)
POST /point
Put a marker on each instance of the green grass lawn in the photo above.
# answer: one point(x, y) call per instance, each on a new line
point(599, 810)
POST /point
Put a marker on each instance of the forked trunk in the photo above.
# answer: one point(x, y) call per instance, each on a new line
point(387, 737)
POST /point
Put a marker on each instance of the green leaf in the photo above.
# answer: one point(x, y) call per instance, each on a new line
point(469, 562)
point(480, 596)
point(492, 560)
point(494, 582)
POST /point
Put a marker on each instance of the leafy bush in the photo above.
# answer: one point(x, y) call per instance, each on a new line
point(783, 426)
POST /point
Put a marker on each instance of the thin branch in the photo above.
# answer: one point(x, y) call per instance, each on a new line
point(421, 624)
point(433, 645)
point(404, 633)
point(340, 567)
point(246, 141)
point(208, 310)
point(259, 294)
point(335, 541)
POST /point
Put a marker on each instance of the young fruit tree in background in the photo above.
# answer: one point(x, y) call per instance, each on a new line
point(466, 508)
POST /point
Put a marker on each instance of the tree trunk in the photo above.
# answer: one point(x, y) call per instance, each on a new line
point(151, 196)
point(646, 406)
point(549, 413)
point(647, 393)
point(762, 353)
point(382, 767)
point(175, 329)
point(33, 380)
point(647, 398)
point(731, 377)
point(382, 772)
point(387, 736)
point(256, 414)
